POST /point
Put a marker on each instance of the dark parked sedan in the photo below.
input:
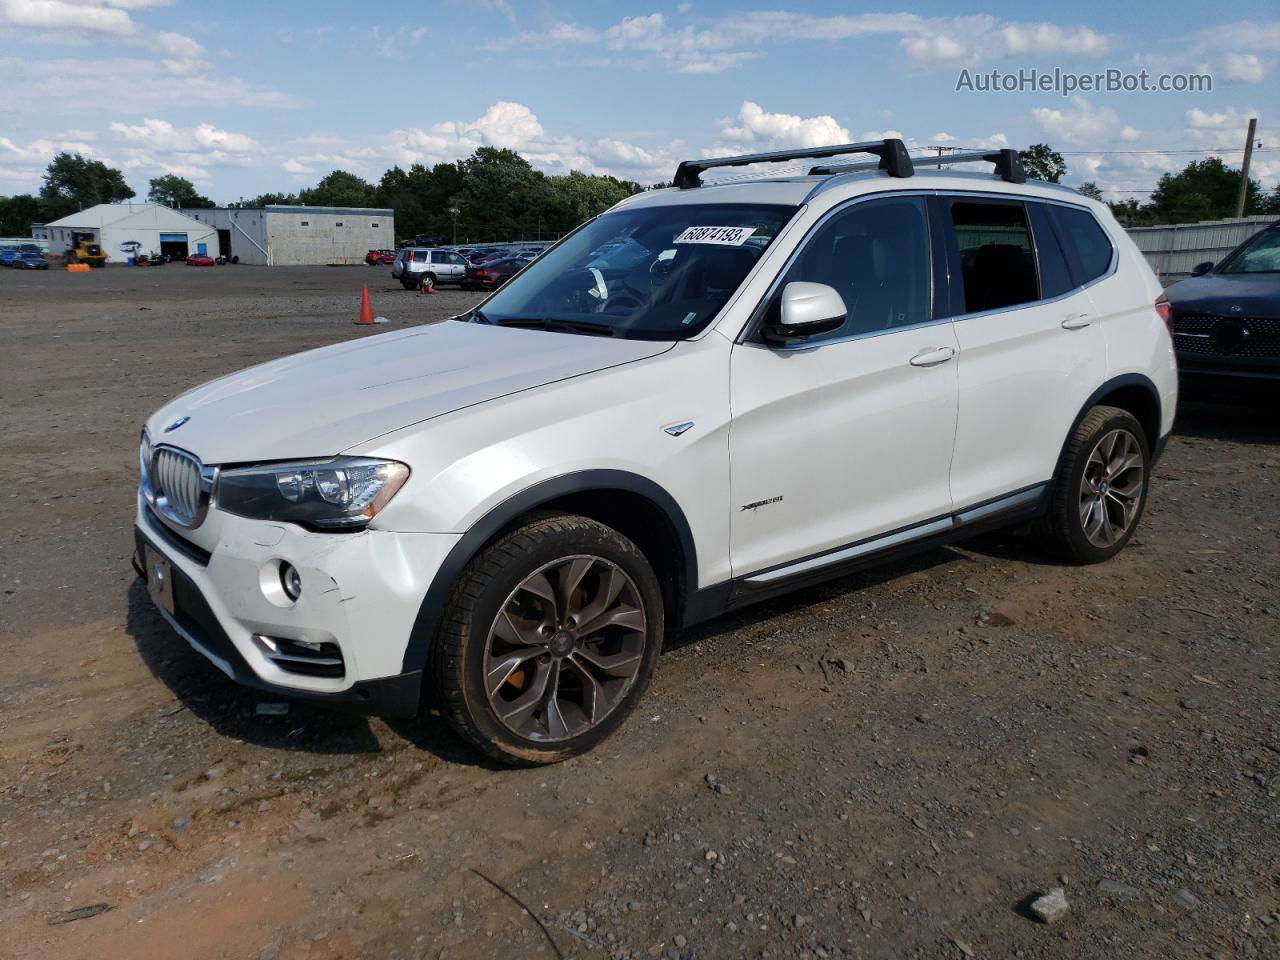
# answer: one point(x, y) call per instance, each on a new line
point(1226, 319)
point(491, 274)
point(29, 261)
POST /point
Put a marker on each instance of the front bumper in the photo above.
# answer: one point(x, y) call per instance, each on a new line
point(361, 593)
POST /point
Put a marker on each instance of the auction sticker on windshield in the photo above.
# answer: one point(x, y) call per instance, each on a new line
point(724, 236)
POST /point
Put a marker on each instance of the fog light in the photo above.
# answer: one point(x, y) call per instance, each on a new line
point(290, 580)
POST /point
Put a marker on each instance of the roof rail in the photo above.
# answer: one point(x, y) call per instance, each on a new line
point(893, 155)
point(1008, 164)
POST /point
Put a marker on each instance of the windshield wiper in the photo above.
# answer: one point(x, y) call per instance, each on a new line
point(561, 326)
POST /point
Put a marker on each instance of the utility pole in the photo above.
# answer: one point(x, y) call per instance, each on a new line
point(1244, 168)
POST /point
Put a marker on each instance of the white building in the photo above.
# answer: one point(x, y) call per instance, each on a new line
point(116, 227)
point(284, 236)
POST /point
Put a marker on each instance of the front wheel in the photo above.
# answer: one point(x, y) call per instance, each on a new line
point(550, 639)
point(1101, 487)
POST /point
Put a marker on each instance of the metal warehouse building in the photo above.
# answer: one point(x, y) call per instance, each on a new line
point(284, 236)
point(117, 226)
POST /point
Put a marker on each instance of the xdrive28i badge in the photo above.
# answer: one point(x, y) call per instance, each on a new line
point(176, 424)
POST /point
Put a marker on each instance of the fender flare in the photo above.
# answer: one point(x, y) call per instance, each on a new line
point(482, 531)
point(1115, 383)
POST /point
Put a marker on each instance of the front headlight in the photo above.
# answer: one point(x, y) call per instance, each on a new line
point(144, 462)
point(340, 494)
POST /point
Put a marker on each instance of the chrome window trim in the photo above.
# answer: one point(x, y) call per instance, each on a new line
point(753, 321)
point(1112, 266)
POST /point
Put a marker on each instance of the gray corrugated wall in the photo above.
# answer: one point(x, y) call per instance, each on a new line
point(1173, 250)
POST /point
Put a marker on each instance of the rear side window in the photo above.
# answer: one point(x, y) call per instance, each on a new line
point(1088, 247)
point(1055, 277)
point(875, 254)
point(997, 263)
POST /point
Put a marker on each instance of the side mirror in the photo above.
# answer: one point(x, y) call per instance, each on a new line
point(1200, 269)
point(807, 310)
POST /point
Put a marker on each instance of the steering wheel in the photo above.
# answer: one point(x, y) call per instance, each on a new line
point(623, 302)
point(661, 269)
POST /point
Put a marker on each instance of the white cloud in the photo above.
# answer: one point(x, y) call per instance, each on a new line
point(715, 44)
point(1082, 124)
point(1242, 68)
point(756, 127)
point(203, 136)
point(394, 44)
point(77, 82)
point(506, 124)
point(58, 15)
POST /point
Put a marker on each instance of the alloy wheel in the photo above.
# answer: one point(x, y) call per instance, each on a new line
point(565, 648)
point(1111, 488)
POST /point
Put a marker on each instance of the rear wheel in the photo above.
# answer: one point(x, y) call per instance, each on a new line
point(1101, 488)
point(550, 639)
point(428, 282)
point(407, 281)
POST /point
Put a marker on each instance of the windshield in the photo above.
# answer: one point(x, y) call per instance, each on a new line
point(653, 273)
point(1261, 255)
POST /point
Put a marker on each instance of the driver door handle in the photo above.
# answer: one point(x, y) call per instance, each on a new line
point(1076, 321)
point(933, 356)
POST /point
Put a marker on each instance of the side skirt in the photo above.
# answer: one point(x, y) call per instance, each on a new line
point(1025, 504)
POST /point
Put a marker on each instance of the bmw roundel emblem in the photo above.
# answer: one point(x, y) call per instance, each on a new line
point(176, 424)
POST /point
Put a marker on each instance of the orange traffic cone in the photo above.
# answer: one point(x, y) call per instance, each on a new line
point(366, 311)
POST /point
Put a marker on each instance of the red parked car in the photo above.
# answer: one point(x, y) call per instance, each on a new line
point(200, 260)
point(492, 274)
point(375, 257)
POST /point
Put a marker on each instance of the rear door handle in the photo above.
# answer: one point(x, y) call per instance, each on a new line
point(933, 356)
point(1076, 321)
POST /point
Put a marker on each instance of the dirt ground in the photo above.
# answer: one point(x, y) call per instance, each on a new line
point(889, 766)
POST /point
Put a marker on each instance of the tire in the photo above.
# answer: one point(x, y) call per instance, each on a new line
point(427, 281)
point(1106, 438)
point(406, 281)
point(503, 580)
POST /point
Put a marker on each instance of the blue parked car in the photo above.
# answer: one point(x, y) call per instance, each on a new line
point(29, 261)
point(7, 253)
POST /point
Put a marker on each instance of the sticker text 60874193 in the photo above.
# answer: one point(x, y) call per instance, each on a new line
point(724, 236)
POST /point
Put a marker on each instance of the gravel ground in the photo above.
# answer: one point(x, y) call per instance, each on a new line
point(894, 765)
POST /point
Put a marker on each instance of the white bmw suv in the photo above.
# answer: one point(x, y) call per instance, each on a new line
point(705, 396)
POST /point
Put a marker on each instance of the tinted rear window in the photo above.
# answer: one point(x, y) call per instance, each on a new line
point(996, 260)
point(1088, 247)
point(1055, 278)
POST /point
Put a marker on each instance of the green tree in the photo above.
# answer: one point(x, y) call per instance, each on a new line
point(273, 199)
point(1202, 190)
point(339, 189)
point(175, 191)
point(17, 214)
point(1130, 213)
point(73, 182)
point(1043, 163)
point(1090, 189)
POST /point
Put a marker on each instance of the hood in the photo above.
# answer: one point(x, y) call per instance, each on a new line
point(324, 401)
point(1256, 294)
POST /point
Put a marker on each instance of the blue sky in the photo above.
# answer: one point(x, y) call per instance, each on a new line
point(247, 97)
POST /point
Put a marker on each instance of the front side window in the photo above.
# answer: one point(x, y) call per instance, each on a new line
point(997, 266)
point(875, 254)
point(651, 273)
point(1260, 255)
